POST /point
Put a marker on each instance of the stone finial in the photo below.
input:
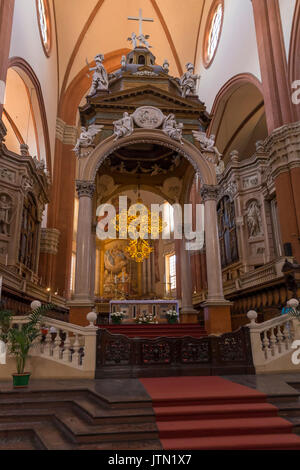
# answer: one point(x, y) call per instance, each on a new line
point(252, 315)
point(24, 149)
point(35, 304)
point(235, 156)
point(92, 318)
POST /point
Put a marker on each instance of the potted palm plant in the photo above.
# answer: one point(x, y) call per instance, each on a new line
point(19, 341)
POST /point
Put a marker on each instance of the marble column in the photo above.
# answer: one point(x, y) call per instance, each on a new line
point(6, 22)
point(83, 281)
point(188, 313)
point(216, 308)
point(273, 64)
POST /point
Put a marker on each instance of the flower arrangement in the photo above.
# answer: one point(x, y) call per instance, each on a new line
point(146, 319)
point(171, 316)
point(117, 317)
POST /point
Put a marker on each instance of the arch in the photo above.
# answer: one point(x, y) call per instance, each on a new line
point(294, 53)
point(248, 116)
point(26, 71)
point(88, 168)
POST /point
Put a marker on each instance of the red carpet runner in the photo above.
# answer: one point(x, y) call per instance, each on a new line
point(211, 413)
point(156, 331)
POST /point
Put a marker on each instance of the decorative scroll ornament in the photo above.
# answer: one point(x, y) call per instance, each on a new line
point(86, 139)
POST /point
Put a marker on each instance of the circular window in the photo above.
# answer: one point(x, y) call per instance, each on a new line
point(43, 12)
point(213, 31)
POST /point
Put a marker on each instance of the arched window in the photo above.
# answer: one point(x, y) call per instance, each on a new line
point(43, 12)
point(227, 232)
point(213, 32)
point(29, 234)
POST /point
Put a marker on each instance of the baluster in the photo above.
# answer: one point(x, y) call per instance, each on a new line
point(56, 349)
point(272, 342)
point(286, 333)
point(279, 339)
point(66, 353)
point(76, 347)
point(265, 343)
point(48, 344)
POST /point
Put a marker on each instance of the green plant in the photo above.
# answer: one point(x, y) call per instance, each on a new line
point(19, 341)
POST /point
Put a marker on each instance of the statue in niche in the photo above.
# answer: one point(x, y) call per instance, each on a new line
point(87, 137)
point(100, 77)
point(123, 127)
point(227, 232)
point(6, 213)
point(220, 167)
point(172, 128)
point(188, 81)
point(254, 222)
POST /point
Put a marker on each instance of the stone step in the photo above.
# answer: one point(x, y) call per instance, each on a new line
point(82, 432)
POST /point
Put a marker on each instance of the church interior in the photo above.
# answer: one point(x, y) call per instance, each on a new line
point(149, 225)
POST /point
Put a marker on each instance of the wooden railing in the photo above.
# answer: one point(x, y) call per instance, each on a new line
point(120, 356)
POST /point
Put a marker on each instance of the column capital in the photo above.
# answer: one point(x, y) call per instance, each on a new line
point(85, 188)
point(209, 192)
point(283, 147)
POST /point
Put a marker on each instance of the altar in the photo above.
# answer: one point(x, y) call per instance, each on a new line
point(134, 309)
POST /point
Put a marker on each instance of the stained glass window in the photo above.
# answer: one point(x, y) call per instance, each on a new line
point(213, 31)
point(44, 24)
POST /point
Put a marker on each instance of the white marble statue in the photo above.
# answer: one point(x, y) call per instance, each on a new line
point(172, 128)
point(188, 81)
point(143, 39)
point(220, 167)
point(87, 137)
point(207, 143)
point(123, 62)
point(133, 39)
point(100, 77)
point(123, 127)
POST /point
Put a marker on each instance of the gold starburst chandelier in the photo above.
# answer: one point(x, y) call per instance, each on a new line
point(146, 225)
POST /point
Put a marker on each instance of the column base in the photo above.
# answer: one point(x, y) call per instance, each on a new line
point(217, 317)
point(188, 315)
point(79, 310)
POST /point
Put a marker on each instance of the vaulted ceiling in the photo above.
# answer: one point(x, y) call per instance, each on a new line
point(89, 27)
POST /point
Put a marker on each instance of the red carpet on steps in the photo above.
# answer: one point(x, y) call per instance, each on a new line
point(156, 331)
point(212, 413)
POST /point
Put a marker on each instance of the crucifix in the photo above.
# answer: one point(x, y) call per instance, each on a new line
point(140, 19)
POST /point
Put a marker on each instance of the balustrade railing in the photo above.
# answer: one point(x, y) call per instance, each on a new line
point(271, 339)
point(68, 344)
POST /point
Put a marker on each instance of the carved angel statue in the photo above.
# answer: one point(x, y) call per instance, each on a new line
point(207, 143)
point(123, 127)
point(172, 128)
point(188, 81)
point(100, 77)
point(143, 39)
point(133, 39)
point(87, 137)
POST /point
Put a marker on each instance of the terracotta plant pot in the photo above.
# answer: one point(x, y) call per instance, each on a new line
point(21, 380)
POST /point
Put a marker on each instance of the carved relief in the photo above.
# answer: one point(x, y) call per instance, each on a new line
point(7, 175)
point(148, 117)
point(253, 217)
point(6, 213)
